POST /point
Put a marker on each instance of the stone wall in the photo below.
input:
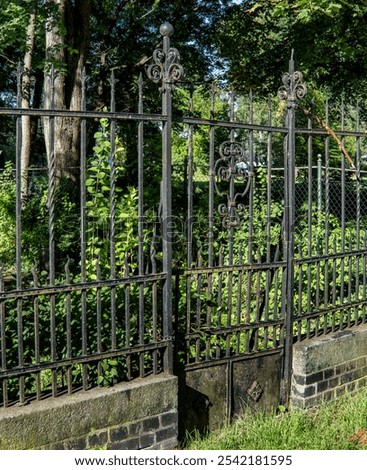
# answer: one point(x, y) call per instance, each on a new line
point(145, 413)
point(138, 415)
point(328, 366)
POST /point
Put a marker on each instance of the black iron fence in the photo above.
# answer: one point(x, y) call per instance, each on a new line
point(243, 235)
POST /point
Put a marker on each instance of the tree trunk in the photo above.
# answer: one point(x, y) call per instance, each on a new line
point(26, 91)
point(66, 44)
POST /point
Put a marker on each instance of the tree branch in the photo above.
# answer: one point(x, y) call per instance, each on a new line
point(332, 134)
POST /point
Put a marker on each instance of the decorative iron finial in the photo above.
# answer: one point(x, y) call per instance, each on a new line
point(293, 88)
point(166, 29)
point(166, 67)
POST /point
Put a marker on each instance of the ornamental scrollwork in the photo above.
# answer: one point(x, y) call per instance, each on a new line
point(293, 88)
point(232, 167)
point(166, 67)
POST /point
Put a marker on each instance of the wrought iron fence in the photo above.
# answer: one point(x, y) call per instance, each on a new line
point(242, 236)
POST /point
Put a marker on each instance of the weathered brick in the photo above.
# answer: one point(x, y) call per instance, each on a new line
point(299, 379)
point(322, 386)
point(329, 395)
point(97, 439)
point(349, 377)
point(167, 433)
point(309, 391)
point(169, 444)
point(334, 382)
point(135, 429)
point(361, 382)
point(297, 403)
point(147, 440)
point(76, 444)
point(119, 434)
point(127, 444)
point(351, 365)
point(150, 424)
point(328, 373)
point(313, 378)
point(340, 369)
point(361, 362)
point(167, 419)
point(297, 391)
point(312, 401)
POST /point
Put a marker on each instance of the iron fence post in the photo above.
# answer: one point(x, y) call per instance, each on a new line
point(292, 90)
point(319, 183)
point(166, 69)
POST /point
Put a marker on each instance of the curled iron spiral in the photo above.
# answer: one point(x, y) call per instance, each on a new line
point(165, 71)
point(232, 166)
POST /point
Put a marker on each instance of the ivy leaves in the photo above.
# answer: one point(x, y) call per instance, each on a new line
point(103, 194)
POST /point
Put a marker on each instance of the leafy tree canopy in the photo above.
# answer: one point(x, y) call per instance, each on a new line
point(250, 39)
point(329, 39)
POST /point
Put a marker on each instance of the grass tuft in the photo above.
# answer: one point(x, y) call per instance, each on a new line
point(337, 425)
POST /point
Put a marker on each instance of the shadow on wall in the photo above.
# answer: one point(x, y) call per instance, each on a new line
point(193, 410)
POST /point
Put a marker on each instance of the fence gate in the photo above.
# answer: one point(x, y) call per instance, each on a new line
point(233, 303)
point(275, 238)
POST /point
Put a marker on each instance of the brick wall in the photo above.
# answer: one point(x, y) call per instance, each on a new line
point(142, 414)
point(329, 366)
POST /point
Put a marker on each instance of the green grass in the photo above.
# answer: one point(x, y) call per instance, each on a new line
point(329, 427)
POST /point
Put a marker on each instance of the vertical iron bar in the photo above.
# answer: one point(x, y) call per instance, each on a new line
point(18, 236)
point(37, 356)
point(51, 229)
point(257, 302)
point(239, 301)
point(343, 218)
point(166, 31)
point(199, 283)
point(269, 275)
point(99, 317)
point(349, 297)
point(141, 213)
point(230, 232)
point(249, 307)
point(190, 187)
point(358, 211)
point(69, 370)
point(128, 318)
point(83, 226)
point(310, 212)
point(190, 195)
point(300, 294)
point(3, 339)
point(289, 198)
point(292, 90)
point(167, 70)
point(211, 179)
point(219, 298)
point(334, 286)
point(154, 306)
point(364, 276)
point(327, 213)
point(112, 214)
point(319, 184)
point(211, 182)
